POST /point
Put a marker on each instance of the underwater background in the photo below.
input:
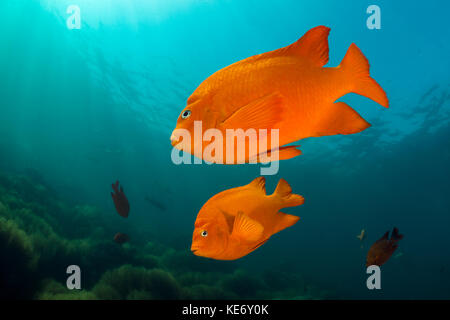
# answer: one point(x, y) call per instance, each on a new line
point(80, 109)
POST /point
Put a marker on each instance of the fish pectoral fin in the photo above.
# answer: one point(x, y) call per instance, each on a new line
point(246, 229)
point(229, 220)
point(262, 113)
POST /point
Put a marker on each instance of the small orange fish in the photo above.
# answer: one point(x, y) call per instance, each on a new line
point(237, 221)
point(287, 89)
point(382, 250)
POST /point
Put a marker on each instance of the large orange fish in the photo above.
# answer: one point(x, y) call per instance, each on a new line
point(287, 89)
point(237, 221)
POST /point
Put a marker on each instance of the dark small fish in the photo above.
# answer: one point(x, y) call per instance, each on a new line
point(120, 200)
point(382, 250)
point(155, 203)
point(121, 238)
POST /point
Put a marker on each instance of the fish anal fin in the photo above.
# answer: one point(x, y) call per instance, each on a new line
point(341, 119)
point(259, 184)
point(285, 221)
point(262, 113)
point(259, 245)
point(246, 229)
point(357, 72)
point(283, 193)
point(384, 237)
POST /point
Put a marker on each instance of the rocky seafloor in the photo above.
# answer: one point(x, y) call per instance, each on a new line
point(41, 234)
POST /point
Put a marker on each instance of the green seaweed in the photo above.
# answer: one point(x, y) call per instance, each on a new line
point(41, 235)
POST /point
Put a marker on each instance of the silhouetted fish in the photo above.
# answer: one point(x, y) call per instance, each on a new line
point(382, 250)
point(120, 200)
point(155, 203)
point(121, 238)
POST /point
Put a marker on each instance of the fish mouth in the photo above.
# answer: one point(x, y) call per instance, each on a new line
point(174, 140)
point(194, 250)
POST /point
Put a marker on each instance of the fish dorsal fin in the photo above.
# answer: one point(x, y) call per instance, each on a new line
point(262, 113)
point(385, 236)
point(283, 192)
point(313, 47)
point(283, 188)
point(259, 184)
point(246, 229)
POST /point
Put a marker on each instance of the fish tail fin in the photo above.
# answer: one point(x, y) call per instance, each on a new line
point(357, 67)
point(284, 193)
point(284, 221)
point(395, 235)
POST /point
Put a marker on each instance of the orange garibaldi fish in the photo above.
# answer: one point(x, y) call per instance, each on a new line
point(287, 89)
point(237, 221)
point(382, 249)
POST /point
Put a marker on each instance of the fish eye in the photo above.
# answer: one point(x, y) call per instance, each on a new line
point(186, 114)
point(204, 233)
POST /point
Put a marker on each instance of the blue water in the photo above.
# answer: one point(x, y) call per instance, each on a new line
point(81, 108)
